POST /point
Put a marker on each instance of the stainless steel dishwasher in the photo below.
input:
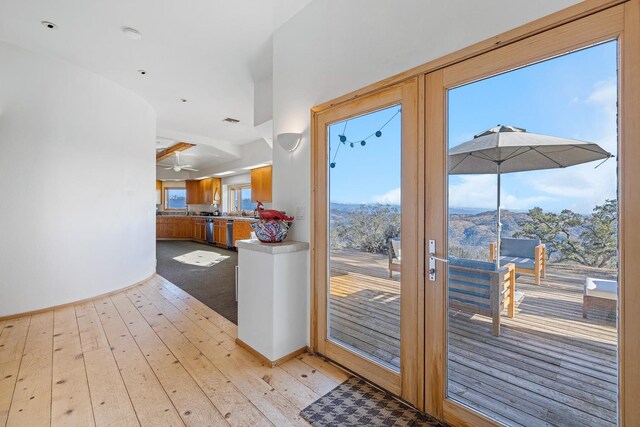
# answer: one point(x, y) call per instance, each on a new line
point(230, 233)
point(210, 238)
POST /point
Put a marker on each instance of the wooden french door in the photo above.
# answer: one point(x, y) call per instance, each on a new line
point(379, 315)
point(367, 244)
point(524, 376)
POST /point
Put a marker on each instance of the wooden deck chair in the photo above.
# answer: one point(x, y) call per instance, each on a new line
point(478, 287)
point(529, 256)
point(394, 253)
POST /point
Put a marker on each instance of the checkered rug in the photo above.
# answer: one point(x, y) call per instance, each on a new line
point(356, 403)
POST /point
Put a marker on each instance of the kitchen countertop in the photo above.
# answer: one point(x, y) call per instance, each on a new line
point(283, 247)
point(235, 218)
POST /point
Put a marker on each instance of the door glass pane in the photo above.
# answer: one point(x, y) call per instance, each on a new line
point(364, 235)
point(532, 322)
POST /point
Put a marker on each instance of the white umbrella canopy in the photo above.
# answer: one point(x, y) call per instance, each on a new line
point(505, 149)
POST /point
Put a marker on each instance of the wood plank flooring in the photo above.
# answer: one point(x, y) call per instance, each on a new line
point(150, 356)
point(549, 366)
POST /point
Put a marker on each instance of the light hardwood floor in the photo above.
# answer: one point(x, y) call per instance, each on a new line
point(151, 356)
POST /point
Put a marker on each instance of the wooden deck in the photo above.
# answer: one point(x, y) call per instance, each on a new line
point(151, 356)
point(549, 366)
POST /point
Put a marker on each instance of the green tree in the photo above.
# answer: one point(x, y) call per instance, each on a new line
point(589, 240)
point(600, 236)
point(555, 230)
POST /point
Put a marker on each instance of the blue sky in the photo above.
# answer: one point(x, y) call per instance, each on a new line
point(571, 96)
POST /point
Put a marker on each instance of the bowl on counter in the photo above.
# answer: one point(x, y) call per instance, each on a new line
point(272, 231)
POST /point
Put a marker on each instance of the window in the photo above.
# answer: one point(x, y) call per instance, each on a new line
point(175, 198)
point(240, 198)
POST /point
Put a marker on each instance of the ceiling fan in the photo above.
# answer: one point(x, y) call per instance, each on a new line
point(177, 167)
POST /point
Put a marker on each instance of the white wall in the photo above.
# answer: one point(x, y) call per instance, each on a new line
point(77, 161)
point(333, 47)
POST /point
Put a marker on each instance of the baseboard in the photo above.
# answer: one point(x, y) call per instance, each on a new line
point(82, 301)
point(264, 359)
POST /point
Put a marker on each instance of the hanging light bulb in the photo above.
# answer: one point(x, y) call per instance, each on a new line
point(332, 164)
point(379, 134)
point(363, 143)
point(343, 138)
point(351, 145)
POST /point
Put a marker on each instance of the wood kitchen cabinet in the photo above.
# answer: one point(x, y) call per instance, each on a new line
point(173, 228)
point(203, 191)
point(199, 229)
point(261, 184)
point(193, 192)
point(241, 230)
point(158, 192)
point(220, 231)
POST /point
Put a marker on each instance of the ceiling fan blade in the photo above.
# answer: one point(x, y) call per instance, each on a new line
point(189, 169)
point(166, 166)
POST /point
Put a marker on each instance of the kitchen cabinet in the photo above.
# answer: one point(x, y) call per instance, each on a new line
point(193, 192)
point(158, 192)
point(204, 191)
point(199, 229)
point(261, 184)
point(173, 228)
point(220, 231)
point(241, 230)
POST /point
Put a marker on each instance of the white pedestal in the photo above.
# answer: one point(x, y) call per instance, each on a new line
point(272, 281)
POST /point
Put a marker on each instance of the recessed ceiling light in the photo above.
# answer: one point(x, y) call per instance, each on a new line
point(183, 100)
point(142, 72)
point(132, 33)
point(224, 173)
point(231, 120)
point(49, 25)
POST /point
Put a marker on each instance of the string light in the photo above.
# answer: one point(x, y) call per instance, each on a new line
point(363, 142)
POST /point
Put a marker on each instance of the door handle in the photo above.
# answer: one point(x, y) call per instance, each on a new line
point(432, 260)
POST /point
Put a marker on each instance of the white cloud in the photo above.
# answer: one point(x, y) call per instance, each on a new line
point(391, 197)
point(473, 191)
point(479, 191)
point(605, 97)
point(583, 185)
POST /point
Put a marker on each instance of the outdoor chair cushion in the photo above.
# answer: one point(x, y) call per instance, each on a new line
point(519, 248)
point(520, 262)
point(607, 289)
point(396, 247)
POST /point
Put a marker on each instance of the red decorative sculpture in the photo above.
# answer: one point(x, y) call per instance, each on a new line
point(272, 214)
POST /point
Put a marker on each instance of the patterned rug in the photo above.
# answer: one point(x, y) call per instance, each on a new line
point(356, 403)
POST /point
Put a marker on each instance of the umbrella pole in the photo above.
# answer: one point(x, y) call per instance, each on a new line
point(498, 223)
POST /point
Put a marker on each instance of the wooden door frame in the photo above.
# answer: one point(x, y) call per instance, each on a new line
point(408, 384)
point(608, 24)
point(628, 32)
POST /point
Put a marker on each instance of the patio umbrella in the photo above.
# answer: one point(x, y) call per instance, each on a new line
point(506, 149)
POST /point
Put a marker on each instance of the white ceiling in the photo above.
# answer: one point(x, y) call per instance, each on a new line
point(199, 157)
point(209, 52)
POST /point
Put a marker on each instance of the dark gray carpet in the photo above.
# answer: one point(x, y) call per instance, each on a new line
point(215, 286)
point(357, 403)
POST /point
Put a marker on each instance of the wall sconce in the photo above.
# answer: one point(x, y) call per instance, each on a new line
point(289, 141)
